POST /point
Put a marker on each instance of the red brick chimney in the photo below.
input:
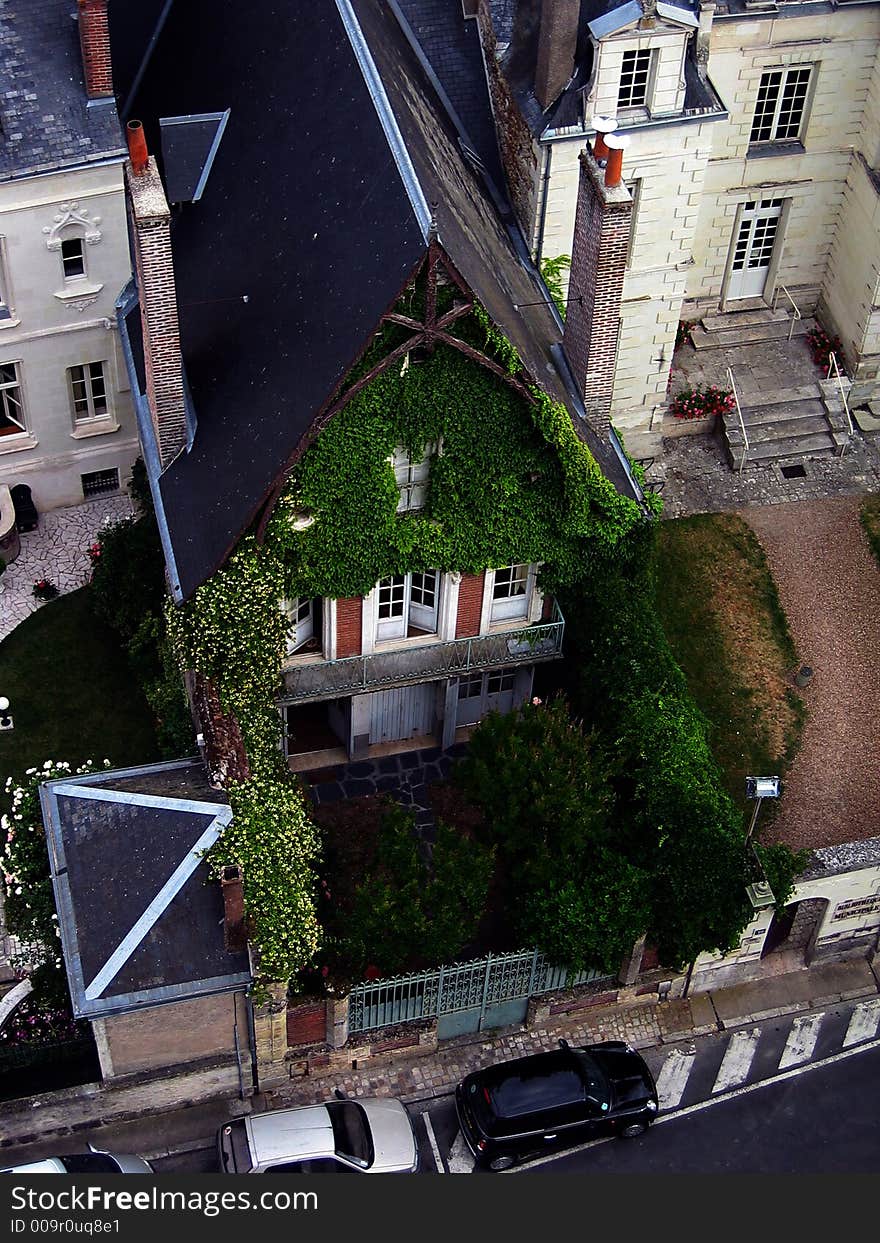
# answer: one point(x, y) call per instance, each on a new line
point(557, 44)
point(598, 262)
point(94, 39)
point(151, 228)
point(234, 925)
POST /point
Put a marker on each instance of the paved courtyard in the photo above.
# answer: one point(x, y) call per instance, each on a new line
point(56, 550)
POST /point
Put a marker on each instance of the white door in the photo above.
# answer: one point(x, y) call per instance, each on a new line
point(481, 693)
point(407, 712)
point(300, 614)
point(407, 601)
point(753, 248)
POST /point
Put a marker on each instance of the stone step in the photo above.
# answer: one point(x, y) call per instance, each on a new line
point(743, 319)
point(755, 416)
point(782, 429)
point(780, 396)
point(782, 450)
point(728, 337)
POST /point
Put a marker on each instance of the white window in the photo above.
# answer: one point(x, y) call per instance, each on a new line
point(73, 257)
point(407, 604)
point(512, 592)
point(11, 403)
point(412, 477)
point(782, 100)
point(5, 299)
point(634, 79)
point(88, 387)
point(303, 621)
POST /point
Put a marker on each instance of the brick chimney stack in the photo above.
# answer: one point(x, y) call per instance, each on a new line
point(557, 45)
point(94, 39)
point(598, 262)
point(151, 221)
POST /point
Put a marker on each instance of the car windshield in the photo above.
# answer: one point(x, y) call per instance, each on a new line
point(351, 1133)
point(89, 1163)
point(596, 1085)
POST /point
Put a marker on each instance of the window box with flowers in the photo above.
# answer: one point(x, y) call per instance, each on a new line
point(702, 402)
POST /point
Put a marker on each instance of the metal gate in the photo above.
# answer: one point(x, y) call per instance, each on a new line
point(466, 997)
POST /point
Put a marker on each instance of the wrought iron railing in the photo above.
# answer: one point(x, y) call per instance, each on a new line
point(328, 679)
point(746, 445)
point(460, 987)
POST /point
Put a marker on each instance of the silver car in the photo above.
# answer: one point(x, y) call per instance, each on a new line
point(372, 1136)
point(95, 1161)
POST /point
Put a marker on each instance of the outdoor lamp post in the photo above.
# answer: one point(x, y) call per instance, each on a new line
point(5, 718)
point(760, 894)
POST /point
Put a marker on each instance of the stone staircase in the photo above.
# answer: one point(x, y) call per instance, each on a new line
point(789, 424)
point(745, 328)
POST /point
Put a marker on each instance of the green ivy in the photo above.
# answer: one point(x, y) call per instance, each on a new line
point(511, 482)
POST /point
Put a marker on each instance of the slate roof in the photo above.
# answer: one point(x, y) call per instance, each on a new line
point(45, 120)
point(316, 213)
point(141, 922)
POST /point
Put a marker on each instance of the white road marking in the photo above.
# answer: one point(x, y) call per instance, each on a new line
point(801, 1040)
point(863, 1023)
point(737, 1060)
point(432, 1140)
point(710, 1103)
point(461, 1159)
point(673, 1077)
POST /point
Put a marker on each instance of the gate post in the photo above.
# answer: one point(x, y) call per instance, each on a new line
point(485, 992)
point(337, 1021)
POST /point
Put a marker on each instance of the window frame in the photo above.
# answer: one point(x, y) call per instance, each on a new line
point(760, 110)
point(412, 477)
point(648, 54)
point(70, 277)
point(504, 607)
point(91, 416)
point(17, 383)
point(398, 619)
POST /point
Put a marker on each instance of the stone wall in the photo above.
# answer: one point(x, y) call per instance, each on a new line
point(174, 1034)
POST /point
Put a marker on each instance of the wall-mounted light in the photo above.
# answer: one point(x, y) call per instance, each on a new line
point(5, 718)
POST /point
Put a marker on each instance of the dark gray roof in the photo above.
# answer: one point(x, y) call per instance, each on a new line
point(45, 120)
point(141, 921)
point(316, 214)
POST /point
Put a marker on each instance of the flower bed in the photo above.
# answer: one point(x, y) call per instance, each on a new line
point(702, 402)
point(44, 589)
point(822, 346)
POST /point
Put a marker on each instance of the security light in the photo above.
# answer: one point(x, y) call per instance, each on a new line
point(762, 787)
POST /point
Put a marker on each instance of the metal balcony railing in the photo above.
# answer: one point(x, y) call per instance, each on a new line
point(328, 679)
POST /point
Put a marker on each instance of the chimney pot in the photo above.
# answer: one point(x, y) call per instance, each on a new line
point(603, 127)
point(137, 146)
point(616, 145)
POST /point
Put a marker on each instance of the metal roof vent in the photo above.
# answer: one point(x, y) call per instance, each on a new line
point(189, 146)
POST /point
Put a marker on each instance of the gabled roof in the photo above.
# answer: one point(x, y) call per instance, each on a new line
point(140, 921)
point(337, 154)
point(46, 122)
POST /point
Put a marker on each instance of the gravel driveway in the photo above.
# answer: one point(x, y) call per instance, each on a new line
point(829, 586)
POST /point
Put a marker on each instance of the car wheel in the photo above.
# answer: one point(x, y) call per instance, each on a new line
point(634, 1129)
point(502, 1163)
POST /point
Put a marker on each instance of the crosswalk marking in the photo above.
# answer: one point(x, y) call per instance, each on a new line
point(460, 1159)
point(801, 1040)
point(737, 1060)
point(674, 1076)
point(863, 1023)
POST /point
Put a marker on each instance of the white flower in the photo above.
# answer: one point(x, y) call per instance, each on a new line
point(18, 888)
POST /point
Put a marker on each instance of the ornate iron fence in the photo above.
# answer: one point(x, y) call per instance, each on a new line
point(476, 986)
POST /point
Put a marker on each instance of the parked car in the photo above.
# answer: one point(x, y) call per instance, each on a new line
point(92, 1162)
point(372, 1136)
point(523, 1108)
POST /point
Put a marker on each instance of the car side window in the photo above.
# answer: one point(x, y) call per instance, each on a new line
point(320, 1165)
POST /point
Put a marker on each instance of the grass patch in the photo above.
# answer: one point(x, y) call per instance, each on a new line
point(870, 516)
point(71, 690)
point(721, 613)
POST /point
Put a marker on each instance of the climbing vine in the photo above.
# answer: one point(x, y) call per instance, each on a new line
point(510, 481)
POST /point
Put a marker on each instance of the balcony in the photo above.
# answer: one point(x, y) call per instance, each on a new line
point(330, 679)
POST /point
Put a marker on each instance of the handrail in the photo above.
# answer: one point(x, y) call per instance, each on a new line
point(797, 314)
point(746, 445)
point(832, 364)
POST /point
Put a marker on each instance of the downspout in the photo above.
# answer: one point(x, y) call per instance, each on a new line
point(545, 194)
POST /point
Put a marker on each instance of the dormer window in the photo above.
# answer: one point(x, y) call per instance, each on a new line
point(412, 477)
point(635, 77)
point(73, 257)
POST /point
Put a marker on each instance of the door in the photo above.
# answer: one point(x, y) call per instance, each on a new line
point(753, 248)
point(480, 693)
point(407, 603)
point(300, 614)
point(407, 712)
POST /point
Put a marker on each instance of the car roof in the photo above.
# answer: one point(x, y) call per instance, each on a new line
point(290, 1135)
point(50, 1165)
point(530, 1084)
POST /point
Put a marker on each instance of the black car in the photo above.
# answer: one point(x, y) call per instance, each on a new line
point(519, 1109)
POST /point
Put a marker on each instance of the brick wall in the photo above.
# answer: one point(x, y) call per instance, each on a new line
point(94, 38)
point(598, 264)
point(470, 605)
point(158, 299)
point(173, 1034)
point(349, 612)
point(307, 1024)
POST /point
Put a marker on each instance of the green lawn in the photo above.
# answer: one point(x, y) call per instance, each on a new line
point(722, 616)
point(72, 693)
